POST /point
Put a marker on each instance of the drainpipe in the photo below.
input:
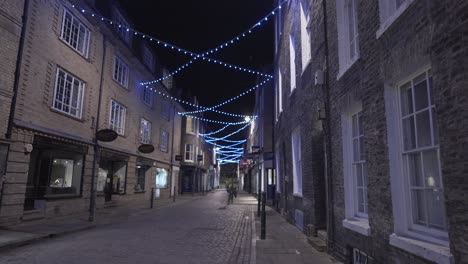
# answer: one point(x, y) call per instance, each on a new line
point(19, 59)
point(172, 153)
point(97, 150)
point(327, 134)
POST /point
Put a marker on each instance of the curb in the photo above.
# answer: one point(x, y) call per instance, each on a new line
point(41, 237)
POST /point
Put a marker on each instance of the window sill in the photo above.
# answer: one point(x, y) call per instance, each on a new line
point(299, 195)
point(390, 20)
point(346, 68)
point(360, 226)
point(139, 191)
point(52, 109)
point(438, 254)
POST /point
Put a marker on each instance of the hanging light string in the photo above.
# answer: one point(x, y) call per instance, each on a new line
point(156, 91)
point(204, 109)
point(184, 51)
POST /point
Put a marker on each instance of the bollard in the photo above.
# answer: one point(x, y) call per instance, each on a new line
point(259, 198)
point(152, 197)
point(263, 227)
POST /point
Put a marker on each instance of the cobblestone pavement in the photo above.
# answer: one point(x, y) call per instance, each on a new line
point(200, 231)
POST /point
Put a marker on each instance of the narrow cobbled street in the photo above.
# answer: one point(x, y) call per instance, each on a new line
point(201, 231)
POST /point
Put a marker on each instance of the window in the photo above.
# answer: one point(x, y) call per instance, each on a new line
point(359, 165)
point(60, 172)
point(3, 158)
point(113, 173)
point(359, 257)
point(348, 35)
point(390, 10)
point(69, 92)
point(148, 96)
point(141, 177)
point(166, 110)
point(420, 152)
point(297, 163)
point(168, 81)
point(117, 117)
point(190, 125)
point(189, 152)
point(120, 72)
point(121, 26)
point(75, 34)
point(280, 91)
point(145, 131)
point(305, 36)
point(148, 57)
point(161, 178)
point(164, 140)
point(292, 62)
point(278, 171)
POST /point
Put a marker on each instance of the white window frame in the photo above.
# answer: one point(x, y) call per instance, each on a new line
point(297, 161)
point(306, 49)
point(71, 80)
point(118, 122)
point(280, 93)
point(432, 244)
point(192, 121)
point(145, 135)
point(148, 58)
point(358, 255)
point(345, 41)
point(190, 152)
point(148, 96)
point(354, 220)
point(278, 170)
point(121, 71)
point(73, 39)
point(122, 26)
point(292, 63)
point(164, 141)
point(389, 13)
point(166, 110)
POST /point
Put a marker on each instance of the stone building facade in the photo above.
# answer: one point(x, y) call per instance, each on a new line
point(11, 26)
point(390, 88)
point(79, 76)
point(197, 175)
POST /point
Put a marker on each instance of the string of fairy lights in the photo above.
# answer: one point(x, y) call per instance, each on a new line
point(227, 150)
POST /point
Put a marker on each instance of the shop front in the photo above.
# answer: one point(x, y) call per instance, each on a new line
point(112, 176)
point(55, 171)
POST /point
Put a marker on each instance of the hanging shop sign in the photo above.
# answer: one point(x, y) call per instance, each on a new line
point(146, 148)
point(106, 135)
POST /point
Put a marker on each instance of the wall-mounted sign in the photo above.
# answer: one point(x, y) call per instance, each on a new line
point(106, 135)
point(146, 148)
point(178, 157)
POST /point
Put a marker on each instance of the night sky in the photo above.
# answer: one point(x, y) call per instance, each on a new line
point(202, 25)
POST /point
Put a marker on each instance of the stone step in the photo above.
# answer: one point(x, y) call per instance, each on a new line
point(322, 234)
point(318, 243)
point(30, 215)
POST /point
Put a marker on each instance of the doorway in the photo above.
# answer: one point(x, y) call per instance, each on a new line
point(112, 178)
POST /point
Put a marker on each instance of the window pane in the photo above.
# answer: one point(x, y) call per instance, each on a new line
point(424, 129)
point(118, 181)
point(408, 133)
point(364, 174)
point(419, 210)
point(358, 173)
point(431, 169)
point(414, 165)
point(406, 99)
point(362, 154)
point(62, 173)
point(356, 150)
point(421, 97)
point(435, 127)
point(360, 200)
point(355, 125)
point(435, 207)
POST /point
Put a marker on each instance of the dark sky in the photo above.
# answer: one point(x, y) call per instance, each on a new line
point(204, 24)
